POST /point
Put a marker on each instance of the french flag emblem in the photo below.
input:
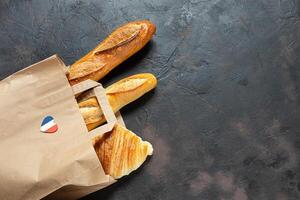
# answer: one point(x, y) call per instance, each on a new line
point(48, 125)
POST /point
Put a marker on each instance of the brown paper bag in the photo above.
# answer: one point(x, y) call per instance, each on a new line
point(60, 165)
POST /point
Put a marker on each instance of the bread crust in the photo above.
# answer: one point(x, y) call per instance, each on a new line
point(116, 48)
point(121, 151)
point(118, 94)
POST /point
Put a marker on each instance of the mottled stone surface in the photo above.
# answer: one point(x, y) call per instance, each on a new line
point(225, 118)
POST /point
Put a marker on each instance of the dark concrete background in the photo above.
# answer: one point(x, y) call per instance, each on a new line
point(225, 117)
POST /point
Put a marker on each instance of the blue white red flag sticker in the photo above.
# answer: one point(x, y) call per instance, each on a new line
point(48, 125)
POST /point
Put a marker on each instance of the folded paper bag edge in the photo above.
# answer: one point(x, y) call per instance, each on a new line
point(55, 56)
point(36, 188)
point(101, 97)
point(75, 191)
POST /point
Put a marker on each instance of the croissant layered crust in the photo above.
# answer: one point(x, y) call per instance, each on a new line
point(121, 151)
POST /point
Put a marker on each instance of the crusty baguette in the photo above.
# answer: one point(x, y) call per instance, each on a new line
point(121, 151)
point(118, 94)
point(117, 47)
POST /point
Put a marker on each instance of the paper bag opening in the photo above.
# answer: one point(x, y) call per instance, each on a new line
point(34, 163)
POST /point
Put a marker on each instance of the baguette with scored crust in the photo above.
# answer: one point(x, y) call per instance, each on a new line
point(121, 151)
point(116, 48)
point(118, 94)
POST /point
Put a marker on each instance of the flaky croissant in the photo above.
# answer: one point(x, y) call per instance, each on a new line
point(121, 151)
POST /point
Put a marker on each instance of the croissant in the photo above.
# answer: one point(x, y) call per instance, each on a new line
point(118, 94)
point(117, 47)
point(121, 151)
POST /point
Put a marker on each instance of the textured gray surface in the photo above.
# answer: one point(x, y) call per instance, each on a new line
point(225, 118)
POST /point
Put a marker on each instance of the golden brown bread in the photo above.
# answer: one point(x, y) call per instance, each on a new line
point(118, 94)
point(117, 47)
point(121, 151)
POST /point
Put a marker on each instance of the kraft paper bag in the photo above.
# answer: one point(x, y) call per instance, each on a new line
point(59, 165)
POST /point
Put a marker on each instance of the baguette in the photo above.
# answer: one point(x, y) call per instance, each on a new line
point(117, 47)
point(121, 151)
point(119, 94)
